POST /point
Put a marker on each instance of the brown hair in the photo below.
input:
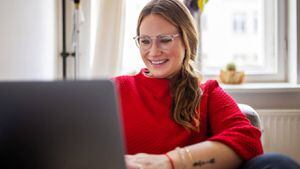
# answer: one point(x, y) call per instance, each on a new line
point(186, 93)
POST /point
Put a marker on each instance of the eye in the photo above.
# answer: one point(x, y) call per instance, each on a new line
point(144, 41)
point(165, 39)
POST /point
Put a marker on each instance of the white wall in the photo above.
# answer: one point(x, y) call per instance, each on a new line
point(28, 40)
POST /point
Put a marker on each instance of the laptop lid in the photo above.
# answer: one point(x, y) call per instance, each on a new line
point(60, 125)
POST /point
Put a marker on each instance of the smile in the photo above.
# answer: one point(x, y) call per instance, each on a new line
point(158, 62)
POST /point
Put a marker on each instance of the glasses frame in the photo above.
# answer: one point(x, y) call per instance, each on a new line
point(152, 38)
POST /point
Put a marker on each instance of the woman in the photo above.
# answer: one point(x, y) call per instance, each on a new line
point(171, 120)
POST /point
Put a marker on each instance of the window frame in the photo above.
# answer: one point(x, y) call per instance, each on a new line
point(279, 38)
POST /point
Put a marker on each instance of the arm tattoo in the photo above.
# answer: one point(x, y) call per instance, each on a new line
point(200, 163)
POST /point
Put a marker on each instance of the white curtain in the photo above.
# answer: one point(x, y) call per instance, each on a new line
point(107, 31)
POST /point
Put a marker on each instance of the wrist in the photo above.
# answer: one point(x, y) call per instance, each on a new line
point(181, 158)
point(170, 161)
point(176, 159)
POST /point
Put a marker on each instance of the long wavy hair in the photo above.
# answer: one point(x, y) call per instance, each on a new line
point(186, 93)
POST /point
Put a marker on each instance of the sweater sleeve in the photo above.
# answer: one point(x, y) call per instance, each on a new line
point(229, 125)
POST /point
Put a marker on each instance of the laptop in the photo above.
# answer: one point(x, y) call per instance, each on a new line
point(60, 125)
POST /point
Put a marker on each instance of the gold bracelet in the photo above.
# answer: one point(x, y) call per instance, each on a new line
point(189, 154)
point(182, 159)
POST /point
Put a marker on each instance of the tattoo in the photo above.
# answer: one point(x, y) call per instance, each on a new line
point(201, 163)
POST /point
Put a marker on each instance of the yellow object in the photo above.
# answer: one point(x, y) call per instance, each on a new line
point(201, 4)
point(232, 77)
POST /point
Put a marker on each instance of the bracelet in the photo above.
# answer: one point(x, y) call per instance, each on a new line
point(182, 158)
point(170, 160)
point(189, 154)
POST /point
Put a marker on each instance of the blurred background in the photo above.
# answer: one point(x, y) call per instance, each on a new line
point(261, 37)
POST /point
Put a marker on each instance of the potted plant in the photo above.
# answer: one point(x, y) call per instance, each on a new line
point(230, 75)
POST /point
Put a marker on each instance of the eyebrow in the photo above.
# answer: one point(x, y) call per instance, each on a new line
point(162, 34)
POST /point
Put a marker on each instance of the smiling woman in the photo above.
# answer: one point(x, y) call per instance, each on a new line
point(169, 92)
point(162, 58)
point(171, 119)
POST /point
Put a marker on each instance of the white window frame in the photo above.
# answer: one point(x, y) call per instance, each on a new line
point(278, 38)
point(239, 23)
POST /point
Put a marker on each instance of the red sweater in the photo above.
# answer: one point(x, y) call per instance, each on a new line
point(148, 127)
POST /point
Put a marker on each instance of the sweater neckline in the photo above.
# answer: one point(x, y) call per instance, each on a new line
point(142, 75)
point(159, 86)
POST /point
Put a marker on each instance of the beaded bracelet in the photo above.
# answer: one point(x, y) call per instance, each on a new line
point(170, 160)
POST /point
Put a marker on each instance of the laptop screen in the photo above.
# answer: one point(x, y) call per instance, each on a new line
point(61, 125)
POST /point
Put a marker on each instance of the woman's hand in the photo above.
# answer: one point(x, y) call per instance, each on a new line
point(147, 161)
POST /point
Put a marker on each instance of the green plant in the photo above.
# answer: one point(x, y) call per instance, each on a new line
point(231, 67)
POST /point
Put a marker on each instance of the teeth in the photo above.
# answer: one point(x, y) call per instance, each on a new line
point(157, 62)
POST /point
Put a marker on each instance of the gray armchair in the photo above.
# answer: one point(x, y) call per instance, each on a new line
point(251, 114)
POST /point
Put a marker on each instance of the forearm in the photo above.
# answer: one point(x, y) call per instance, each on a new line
point(205, 155)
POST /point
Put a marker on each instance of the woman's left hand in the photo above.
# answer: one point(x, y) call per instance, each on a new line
point(147, 161)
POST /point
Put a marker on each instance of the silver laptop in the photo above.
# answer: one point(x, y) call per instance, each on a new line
point(60, 125)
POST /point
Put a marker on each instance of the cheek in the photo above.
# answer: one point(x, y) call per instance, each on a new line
point(180, 52)
point(143, 55)
point(180, 55)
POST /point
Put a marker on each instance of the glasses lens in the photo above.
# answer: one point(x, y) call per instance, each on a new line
point(144, 42)
point(165, 42)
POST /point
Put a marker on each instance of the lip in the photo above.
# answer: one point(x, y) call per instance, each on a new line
point(158, 62)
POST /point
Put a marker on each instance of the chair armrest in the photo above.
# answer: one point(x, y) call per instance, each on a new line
point(251, 114)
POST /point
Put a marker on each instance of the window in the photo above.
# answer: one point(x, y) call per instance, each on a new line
point(251, 33)
point(239, 22)
point(255, 22)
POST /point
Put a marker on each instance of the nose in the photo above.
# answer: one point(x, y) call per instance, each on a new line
point(154, 49)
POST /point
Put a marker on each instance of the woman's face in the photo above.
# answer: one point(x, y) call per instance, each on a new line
point(164, 57)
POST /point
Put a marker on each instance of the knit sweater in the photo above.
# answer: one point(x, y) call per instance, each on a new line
point(148, 126)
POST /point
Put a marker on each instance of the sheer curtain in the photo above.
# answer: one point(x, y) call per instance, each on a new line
point(106, 42)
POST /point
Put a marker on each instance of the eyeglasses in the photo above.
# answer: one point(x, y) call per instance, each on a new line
point(164, 42)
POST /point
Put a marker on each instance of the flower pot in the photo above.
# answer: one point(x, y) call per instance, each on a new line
point(232, 76)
